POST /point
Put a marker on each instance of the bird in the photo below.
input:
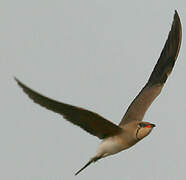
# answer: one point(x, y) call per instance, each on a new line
point(132, 128)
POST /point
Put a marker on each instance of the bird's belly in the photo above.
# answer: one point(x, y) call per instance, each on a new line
point(111, 146)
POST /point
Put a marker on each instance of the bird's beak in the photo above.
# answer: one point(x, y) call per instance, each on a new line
point(153, 125)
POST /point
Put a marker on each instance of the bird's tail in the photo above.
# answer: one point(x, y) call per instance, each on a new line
point(94, 159)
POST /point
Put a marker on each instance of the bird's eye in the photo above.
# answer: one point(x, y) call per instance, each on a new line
point(142, 125)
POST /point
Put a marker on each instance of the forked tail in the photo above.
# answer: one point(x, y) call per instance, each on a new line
point(94, 159)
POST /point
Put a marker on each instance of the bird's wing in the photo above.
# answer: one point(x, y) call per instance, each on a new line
point(87, 120)
point(161, 71)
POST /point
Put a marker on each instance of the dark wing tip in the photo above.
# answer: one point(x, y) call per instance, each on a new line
point(178, 29)
point(176, 15)
point(17, 80)
point(172, 45)
point(169, 53)
point(176, 12)
point(177, 21)
point(20, 84)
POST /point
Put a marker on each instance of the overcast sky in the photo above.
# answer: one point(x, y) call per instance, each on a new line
point(96, 54)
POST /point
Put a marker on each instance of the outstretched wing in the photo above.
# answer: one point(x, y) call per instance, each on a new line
point(161, 71)
point(87, 120)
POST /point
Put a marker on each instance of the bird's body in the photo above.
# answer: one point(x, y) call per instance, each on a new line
point(124, 140)
point(111, 145)
point(131, 133)
point(115, 144)
point(131, 128)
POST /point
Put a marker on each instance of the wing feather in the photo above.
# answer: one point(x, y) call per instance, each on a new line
point(161, 71)
point(89, 121)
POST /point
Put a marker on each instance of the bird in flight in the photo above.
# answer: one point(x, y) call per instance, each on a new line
point(131, 129)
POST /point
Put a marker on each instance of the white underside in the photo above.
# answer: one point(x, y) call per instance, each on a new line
point(110, 146)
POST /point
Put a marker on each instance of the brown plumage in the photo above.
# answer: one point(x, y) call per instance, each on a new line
point(130, 130)
point(160, 73)
point(89, 121)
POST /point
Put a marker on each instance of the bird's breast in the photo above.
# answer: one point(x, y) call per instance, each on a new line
point(112, 145)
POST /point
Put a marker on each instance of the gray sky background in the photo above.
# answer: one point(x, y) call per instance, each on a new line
point(97, 55)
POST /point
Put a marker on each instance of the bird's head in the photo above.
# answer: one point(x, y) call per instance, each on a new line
point(143, 129)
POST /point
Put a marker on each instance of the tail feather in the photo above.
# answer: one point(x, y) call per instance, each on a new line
point(94, 159)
